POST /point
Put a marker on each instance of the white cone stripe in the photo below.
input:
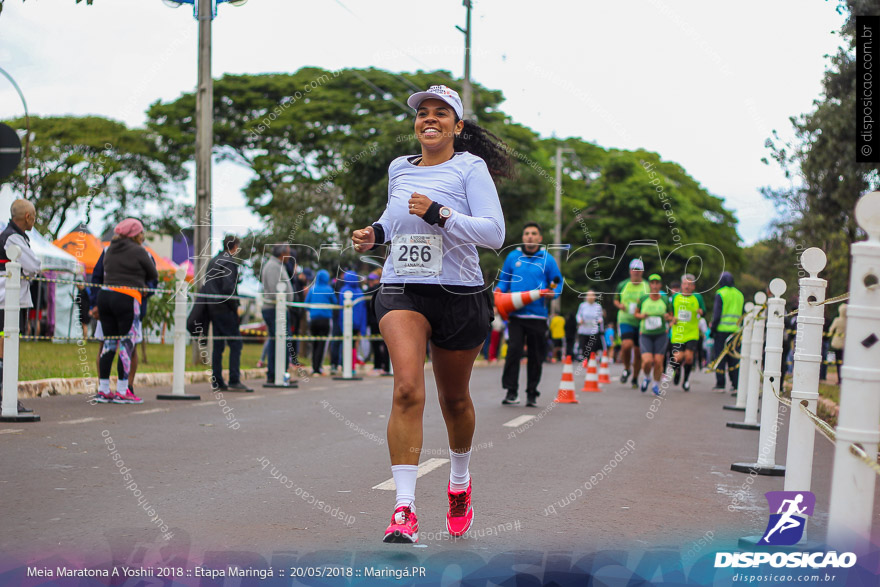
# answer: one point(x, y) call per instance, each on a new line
point(424, 469)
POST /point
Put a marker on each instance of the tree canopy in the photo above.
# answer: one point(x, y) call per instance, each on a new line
point(319, 143)
point(79, 165)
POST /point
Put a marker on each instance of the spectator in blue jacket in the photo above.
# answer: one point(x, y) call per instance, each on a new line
point(526, 268)
point(319, 318)
point(351, 281)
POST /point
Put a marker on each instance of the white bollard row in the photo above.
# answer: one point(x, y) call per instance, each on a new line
point(9, 407)
point(178, 380)
point(852, 484)
point(853, 481)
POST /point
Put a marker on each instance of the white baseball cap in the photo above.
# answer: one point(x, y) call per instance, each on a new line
point(636, 265)
point(444, 93)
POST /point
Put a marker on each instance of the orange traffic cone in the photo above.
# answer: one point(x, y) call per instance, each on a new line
point(566, 386)
point(510, 302)
point(604, 372)
point(591, 383)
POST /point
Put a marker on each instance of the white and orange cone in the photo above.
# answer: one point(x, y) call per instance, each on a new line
point(604, 371)
point(566, 385)
point(510, 302)
point(591, 383)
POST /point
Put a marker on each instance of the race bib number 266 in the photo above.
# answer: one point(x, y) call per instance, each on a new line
point(417, 254)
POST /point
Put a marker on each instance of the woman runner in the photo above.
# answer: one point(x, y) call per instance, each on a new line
point(441, 206)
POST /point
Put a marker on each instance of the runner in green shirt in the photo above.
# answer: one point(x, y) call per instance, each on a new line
point(630, 292)
point(687, 307)
point(654, 311)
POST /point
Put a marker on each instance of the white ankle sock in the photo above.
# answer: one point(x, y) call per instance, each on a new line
point(405, 479)
point(459, 476)
point(104, 385)
point(121, 386)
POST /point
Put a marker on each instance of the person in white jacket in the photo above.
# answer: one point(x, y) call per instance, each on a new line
point(23, 217)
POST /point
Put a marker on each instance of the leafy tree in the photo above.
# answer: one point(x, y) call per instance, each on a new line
point(319, 144)
point(622, 204)
point(83, 164)
point(826, 181)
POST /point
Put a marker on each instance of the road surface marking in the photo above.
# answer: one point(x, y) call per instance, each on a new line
point(518, 421)
point(424, 469)
point(12, 431)
point(249, 397)
point(80, 421)
point(199, 404)
point(153, 411)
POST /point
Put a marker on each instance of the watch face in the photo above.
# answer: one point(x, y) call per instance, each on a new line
point(445, 212)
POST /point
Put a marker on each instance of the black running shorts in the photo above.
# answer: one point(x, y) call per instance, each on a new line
point(690, 345)
point(460, 316)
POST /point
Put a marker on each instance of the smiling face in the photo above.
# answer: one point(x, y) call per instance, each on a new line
point(435, 125)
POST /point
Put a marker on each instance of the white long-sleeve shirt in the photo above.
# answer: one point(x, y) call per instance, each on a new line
point(30, 265)
point(589, 318)
point(463, 184)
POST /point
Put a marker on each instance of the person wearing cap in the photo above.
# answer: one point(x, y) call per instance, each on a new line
point(528, 267)
point(442, 205)
point(23, 216)
point(654, 311)
point(630, 291)
point(381, 364)
point(127, 269)
point(726, 313)
point(687, 307)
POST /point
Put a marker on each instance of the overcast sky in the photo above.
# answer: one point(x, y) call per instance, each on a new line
point(701, 82)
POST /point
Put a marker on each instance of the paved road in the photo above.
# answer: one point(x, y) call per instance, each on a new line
point(217, 483)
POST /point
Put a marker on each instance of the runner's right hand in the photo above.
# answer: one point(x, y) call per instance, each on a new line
point(363, 239)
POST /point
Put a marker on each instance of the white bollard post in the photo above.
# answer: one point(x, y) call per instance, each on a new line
point(280, 338)
point(852, 484)
point(178, 380)
point(766, 463)
point(347, 326)
point(756, 344)
point(9, 407)
point(742, 384)
point(805, 376)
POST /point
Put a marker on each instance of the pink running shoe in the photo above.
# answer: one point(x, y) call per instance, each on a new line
point(128, 398)
point(105, 398)
point(404, 527)
point(461, 514)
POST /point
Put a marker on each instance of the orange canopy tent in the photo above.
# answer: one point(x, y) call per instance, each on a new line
point(83, 245)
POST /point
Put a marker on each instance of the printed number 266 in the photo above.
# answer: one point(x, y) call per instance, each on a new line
point(415, 254)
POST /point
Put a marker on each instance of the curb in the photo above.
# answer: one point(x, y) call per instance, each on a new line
point(85, 385)
point(79, 385)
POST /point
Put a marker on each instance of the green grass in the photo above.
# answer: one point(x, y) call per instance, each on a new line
point(45, 360)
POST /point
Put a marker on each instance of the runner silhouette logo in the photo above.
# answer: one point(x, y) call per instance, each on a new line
point(786, 525)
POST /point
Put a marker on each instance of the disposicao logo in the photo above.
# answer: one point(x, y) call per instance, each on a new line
point(786, 528)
